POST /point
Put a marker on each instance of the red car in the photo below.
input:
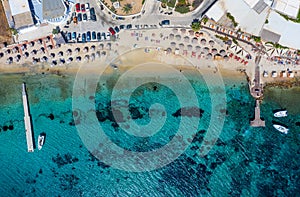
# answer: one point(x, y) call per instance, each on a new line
point(77, 7)
point(82, 8)
point(112, 31)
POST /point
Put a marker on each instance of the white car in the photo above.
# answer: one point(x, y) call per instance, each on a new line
point(87, 7)
point(107, 36)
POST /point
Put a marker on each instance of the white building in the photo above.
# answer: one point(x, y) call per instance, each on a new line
point(21, 13)
point(287, 7)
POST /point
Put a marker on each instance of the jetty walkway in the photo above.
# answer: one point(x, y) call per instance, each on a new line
point(27, 120)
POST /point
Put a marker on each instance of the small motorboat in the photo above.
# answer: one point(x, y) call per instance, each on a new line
point(41, 141)
point(279, 114)
point(281, 128)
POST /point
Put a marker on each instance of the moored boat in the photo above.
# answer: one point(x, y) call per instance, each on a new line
point(281, 128)
point(279, 114)
point(41, 141)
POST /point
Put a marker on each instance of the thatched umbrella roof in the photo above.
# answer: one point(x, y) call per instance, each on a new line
point(9, 60)
point(173, 44)
point(69, 60)
point(108, 46)
point(169, 50)
point(77, 50)
point(31, 44)
point(189, 47)
point(153, 34)
point(48, 39)
point(86, 57)
point(78, 58)
point(61, 61)
point(211, 43)
point(53, 63)
point(198, 49)
point(7, 51)
point(33, 52)
point(174, 30)
point(93, 56)
point(85, 49)
point(93, 47)
point(34, 61)
point(103, 53)
point(44, 59)
point(26, 55)
point(186, 39)
point(17, 58)
point(49, 47)
point(203, 41)
point(214, 51)
point(101, 46)
point(98, 54)
point(195, 40)
point(226, 58)
point(69, 52)
point(60, 54)
point(39, 41)
point(191, 32)
point(178, 37)
point(222, 52)
point(52, 55)
point(209, 55)
point(197, 34)
point(205, 49)
point(23, 47)
point(183, 31)
point(15, 49)
point(171, 36)
point(1, 55)
point(181, 46)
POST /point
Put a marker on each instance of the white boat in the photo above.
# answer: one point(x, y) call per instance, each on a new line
point(279, 114)
point(41, 141)
point(281, 128)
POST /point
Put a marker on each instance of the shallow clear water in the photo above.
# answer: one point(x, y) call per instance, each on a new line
point(244, 161)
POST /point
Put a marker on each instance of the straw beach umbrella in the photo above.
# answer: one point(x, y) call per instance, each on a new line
point(222, 52)
point(175, 31)
point(17, 58)
point(31, 44)
point(211, 43)
point(214, 51)
point(173, 44)
point(33, 52)
point(108, 46)
point(178, 37)
point(171, 36)
point(9, 60)
point(181, 46)
point(53, 63)
point(186, 39)
point(49, 47)
point(194, 40)
point(101, 46)
point(44, 59)
point(40, 41)
point(209, 56)
point(85, 49)
point(86, 58)
point(198, 49)
point(93, 56)
point(69, 60)
point(60, 54)
point(69, 52)
point(78, 58)
point(15, 49)
point(77, 50)
point(203, 41)
point(103, 53)
point(52, 55)
point(183, 31)
point(189, 47)
point(93, 48)
point(205, 50)
point(7, 51)
point(191, 32)
point(98, 54)
point(1, 55)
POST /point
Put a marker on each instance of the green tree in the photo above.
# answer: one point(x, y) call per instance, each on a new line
point(127, 8)
point(13, 31)
point(55, 31)
point(196, 25)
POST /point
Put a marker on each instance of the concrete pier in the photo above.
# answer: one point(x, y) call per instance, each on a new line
point(27, 120)
point(257, 122)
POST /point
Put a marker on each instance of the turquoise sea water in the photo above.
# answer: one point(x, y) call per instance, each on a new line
point(244, 161)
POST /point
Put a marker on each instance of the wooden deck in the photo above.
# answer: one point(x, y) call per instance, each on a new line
point(27, 120)
point(257, 122)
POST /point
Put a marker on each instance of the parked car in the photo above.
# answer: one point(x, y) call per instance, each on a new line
point(122, 26)
point(98, 36)
point(75, 20)
point(102, 7)
point(164, 22)
point(69, 36)
point(74, 36)
point(129, 26)
point(88, 36)
point(83, 36)
point(84, 16)
point(94, 36)
point(108, 36)
point(87, 7)
point(103, 36)
point(112, 31)
point(79, 16)
point(117, 29)
point(92, 11)
point(77, 7)
point(82, 8)
point(93, 18)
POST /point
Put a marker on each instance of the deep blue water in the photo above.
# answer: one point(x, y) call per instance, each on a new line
point(244, 161)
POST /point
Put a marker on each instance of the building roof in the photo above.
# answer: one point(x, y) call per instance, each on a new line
point(53, 9)
point(247, 18)
point(251, 3)
point(23, 20)
point(288, 30)
point(270, 36)
point(287, 7)
point(19, 6)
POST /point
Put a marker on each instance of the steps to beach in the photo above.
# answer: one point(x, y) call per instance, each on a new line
point(27, 120)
